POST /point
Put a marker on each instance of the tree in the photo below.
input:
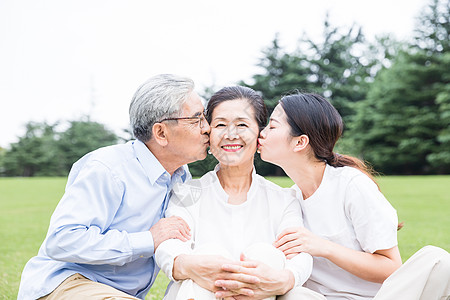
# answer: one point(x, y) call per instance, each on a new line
point(34, 154)
point(45, 151)
point(403, 125)
point(82, 137)
point(339, 68)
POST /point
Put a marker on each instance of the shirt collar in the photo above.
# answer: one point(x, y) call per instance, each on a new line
point(153, 168)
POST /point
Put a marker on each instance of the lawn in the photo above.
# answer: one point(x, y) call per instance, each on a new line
point(26, 204)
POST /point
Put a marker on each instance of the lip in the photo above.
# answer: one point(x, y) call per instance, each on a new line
point(232, 147)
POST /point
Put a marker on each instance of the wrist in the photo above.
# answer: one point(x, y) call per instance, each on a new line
point(180, 267)
point(287, 282)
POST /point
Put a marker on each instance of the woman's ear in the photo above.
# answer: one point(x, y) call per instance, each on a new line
point(160, 134)
point(301, 142)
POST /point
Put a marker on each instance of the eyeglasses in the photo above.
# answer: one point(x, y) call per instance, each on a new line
point(200, 119)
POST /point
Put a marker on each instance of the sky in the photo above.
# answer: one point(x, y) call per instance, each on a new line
point(65, 59)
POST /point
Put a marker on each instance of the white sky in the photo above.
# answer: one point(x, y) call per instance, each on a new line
point(61, 59)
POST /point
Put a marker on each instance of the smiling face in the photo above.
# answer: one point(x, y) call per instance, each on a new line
point(234, 133)
point(276, 142)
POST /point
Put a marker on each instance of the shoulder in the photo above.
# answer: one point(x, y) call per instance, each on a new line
point(114, 155)
point(109, 156)
point(272, 188)
point(348, 176)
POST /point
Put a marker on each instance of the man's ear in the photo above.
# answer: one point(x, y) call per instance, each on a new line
point(301, 142)
point(159, 133)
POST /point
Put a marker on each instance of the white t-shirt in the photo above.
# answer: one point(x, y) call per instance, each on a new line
point(347, 209)
point(203, 204)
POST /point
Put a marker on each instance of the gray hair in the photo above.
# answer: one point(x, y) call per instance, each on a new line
point(160, 97)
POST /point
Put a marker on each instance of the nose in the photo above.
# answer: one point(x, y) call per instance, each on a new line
point(231, 132)
point(262, 134)
point(205, 127)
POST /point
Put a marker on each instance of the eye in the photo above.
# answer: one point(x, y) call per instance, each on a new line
point(242, 125)
point(220, 125)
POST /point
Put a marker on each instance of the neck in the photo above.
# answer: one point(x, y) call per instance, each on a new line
point(165, 159)
point(307, 174)
point(236, 180)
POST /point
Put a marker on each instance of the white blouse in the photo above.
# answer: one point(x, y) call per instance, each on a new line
point(347, 209)
point(203, 204)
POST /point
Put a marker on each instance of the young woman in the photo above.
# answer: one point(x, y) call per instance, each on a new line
point(350, 228)
point(231, 211)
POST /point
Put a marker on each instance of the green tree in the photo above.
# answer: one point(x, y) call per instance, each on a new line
point(35, 154)
point(82, 137)
point(340, 67)
point(45, 151)
point(403, 125)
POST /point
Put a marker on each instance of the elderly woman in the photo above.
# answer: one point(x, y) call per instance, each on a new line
point(234, 215)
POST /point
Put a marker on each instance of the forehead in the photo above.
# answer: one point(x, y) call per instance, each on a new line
point(278, 113)
point(193, 105)
point(233, 109)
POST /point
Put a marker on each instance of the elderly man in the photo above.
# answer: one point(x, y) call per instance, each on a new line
point(107, 226)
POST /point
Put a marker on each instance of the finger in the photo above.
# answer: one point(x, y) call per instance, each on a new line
point(245, 279)
point(225, 294)
point(287, 238)
point(185, 224)
point(178, 235)
point(183, 230)
point(286, 231)
point(232, 288)
point(289, 245)
point(294, 250)
point(244, 267)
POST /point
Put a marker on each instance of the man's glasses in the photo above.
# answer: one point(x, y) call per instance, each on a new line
point(200, 119)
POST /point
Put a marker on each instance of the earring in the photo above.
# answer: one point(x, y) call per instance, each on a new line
point(258, 151)
point(209, 151)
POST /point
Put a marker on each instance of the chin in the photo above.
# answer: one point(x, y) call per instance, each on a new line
point(264, 157)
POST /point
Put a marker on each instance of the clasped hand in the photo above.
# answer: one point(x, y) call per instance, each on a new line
point(249, 279)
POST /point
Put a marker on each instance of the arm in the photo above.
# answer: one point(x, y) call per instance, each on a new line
point(374, 222)
point(79, 230)
point(375, 267)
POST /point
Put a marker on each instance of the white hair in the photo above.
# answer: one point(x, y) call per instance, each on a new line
point(160, 97)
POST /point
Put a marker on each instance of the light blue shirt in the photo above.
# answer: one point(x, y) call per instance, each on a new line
point(100, 228)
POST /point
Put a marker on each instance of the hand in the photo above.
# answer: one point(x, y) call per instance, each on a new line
point(295, 240)
point(270, 282)
point(170, 228)
point(205, 270)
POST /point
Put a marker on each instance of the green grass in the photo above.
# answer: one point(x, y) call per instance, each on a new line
point(26, 204)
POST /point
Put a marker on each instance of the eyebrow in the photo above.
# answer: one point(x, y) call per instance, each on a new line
point(197, 114)
point(274, 120)
point(237, 119)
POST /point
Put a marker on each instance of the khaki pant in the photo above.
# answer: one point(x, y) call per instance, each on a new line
point(78, 287)
point(425, 276)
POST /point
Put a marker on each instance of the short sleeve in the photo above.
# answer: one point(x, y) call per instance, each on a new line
point(373, 217)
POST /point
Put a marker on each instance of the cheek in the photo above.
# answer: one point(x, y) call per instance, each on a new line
point(214, 138)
